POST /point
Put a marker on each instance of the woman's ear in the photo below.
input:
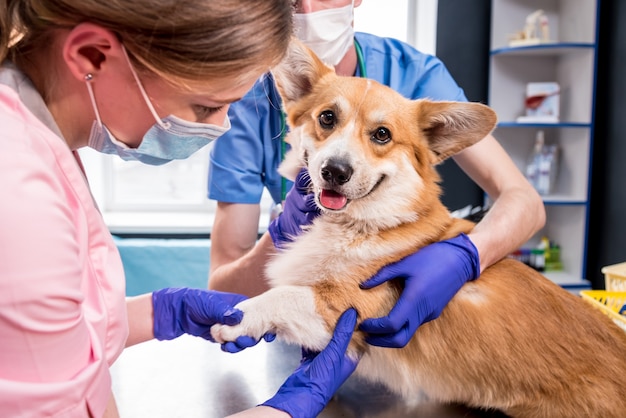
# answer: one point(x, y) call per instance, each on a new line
point(88, 49)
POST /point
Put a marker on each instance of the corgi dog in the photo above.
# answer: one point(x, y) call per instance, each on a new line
point(510, 340)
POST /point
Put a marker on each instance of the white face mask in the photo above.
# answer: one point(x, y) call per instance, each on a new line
point(329, 33)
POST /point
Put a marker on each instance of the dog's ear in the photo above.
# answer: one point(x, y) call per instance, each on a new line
point(298, 72)
point(450, 127)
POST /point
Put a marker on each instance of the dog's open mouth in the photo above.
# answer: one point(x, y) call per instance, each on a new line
point(332, 200)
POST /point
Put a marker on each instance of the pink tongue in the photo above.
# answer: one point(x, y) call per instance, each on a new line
point(332, 200)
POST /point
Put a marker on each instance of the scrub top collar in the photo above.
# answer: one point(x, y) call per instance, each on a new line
point(15, 79)
point(361, 71)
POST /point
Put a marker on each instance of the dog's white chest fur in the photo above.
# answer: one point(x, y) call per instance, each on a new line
point(319, 254)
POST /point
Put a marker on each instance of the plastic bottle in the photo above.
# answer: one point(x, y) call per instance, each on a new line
point(538, 259)
point(553, 156)
point(534, 160)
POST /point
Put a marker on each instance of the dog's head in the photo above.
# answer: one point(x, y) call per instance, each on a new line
point(369, 150)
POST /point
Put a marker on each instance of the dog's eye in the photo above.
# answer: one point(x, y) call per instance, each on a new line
point(381, 135)
point(327, 119)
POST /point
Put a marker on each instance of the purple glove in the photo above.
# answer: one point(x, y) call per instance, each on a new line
point(432, 276)
point(299, 209)
point(307, 391)
point(179, 311)
point(244, 342)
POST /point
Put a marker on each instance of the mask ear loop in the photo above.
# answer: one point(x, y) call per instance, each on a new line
point(165, 125)
point(88, 81)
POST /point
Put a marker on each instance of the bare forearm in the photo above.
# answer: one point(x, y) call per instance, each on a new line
point(245, 275)
point(261, 412)
point(512, 220)
point(518, 211)
point(140, 319)
point(111, 410)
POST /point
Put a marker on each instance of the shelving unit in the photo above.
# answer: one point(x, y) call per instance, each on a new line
point(569, 59)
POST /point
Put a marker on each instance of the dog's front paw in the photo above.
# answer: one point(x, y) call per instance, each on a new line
point(254, 324)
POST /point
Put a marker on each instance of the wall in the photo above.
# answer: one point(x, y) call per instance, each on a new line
point(607, 225)
point(463, 45)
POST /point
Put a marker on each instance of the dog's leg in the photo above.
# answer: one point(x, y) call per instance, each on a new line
point(288, 311)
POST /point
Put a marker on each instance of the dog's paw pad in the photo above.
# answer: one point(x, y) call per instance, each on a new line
point(225, 333)
point(218, 333)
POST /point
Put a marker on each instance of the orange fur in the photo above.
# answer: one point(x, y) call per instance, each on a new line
point(510, 340)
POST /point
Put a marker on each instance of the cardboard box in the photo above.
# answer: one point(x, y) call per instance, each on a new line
point(542, 103)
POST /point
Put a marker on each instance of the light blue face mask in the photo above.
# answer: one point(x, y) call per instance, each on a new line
point(168, 139)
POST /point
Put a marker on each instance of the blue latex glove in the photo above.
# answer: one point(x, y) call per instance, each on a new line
point(432, 276)
point(307, 391)
point(299, 209)
point(179, 311)
point(243, 342)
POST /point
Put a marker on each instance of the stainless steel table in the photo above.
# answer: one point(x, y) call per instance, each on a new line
point(192, 378)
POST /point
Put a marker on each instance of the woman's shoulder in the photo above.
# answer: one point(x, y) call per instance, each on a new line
point(22, 130)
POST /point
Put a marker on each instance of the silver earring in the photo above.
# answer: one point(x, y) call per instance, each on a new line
point(88, 77)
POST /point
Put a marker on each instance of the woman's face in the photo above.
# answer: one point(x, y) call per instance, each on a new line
point(90, 50)
point(207, 103)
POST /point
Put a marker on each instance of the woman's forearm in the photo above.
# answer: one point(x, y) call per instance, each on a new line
point(260, 412)
point(140, 319)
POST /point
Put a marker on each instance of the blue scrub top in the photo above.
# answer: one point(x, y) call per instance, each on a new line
point(244, 160)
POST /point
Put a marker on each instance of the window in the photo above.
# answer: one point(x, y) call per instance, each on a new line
point(179, 185)
point(137, 198)
point(140, 199)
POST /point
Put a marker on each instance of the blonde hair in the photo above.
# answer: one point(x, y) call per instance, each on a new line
point(190, 40)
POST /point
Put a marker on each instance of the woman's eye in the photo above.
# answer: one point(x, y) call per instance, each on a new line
point(203, 112)
point(327, 119)
point(381, 135)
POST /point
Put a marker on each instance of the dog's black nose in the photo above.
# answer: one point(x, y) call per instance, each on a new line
point(337, 172)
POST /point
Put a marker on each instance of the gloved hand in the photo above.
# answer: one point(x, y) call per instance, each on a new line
point(307, 391)
point(179, 311)
point(244, 342)
point(299, 209)
point(432, 276)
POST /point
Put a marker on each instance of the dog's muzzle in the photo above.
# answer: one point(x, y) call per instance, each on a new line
point(335, 173)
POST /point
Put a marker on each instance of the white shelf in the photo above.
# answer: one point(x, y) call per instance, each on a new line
point(574, 284)
point(570, 60)
point(543, 125)
point(548, 49)
point(571, 21)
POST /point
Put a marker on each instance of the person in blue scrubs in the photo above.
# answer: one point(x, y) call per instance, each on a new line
point(244, 161)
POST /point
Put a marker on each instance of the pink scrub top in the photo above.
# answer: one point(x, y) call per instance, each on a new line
point(62, 288)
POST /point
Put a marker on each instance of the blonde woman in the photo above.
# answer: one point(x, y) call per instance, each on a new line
point(149, 80)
